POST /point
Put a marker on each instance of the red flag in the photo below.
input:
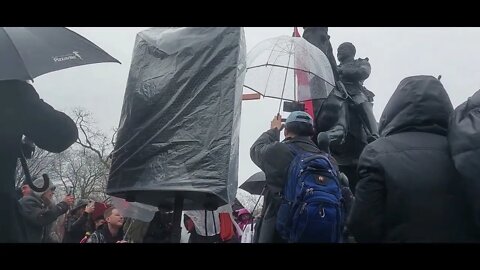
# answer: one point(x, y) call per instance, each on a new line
point(295, 32)
point(303, 84)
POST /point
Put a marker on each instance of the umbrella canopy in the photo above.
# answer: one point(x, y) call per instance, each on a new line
point(277, 66)
point(140, 211)
point(237, 205)
point(255, 183)
point(28, 52)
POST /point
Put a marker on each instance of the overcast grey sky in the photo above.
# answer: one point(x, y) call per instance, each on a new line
point(394, 54)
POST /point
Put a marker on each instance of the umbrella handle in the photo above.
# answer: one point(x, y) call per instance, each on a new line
point(28, 177)
point(255, 207)
point(128, 229)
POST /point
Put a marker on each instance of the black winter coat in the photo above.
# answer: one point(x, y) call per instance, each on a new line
point(409, 190)
point(22, 112)
point(39, 218)
point(464, 141)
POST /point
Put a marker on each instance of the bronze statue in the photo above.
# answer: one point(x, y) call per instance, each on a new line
point(346, 115)
point(326, 112)
point(353, 72)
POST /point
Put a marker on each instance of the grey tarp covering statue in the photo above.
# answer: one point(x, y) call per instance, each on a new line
point(180, 122)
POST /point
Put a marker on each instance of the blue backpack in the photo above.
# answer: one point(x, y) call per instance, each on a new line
point(311, 209)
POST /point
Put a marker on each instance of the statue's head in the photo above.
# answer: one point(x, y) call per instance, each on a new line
point(345, 51)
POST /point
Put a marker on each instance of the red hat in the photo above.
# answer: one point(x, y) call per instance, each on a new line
point(99, 210)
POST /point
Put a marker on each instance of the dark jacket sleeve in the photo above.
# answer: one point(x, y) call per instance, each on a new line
point(367, 216)
point(48, 128)
point(34, 213)
point(464, 144)
point(76, 224)
point(272, 157)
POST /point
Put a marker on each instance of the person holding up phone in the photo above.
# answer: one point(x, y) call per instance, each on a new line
point(40, 212)
point(79, 221)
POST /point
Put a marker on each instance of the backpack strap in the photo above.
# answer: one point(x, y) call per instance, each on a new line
point(297, 151)
point(294, 149)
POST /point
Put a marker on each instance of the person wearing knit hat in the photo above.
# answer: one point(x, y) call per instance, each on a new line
point(79, 221)
point(244, 218)
point(40, 212)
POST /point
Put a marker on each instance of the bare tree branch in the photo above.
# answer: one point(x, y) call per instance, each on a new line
point(89, 134)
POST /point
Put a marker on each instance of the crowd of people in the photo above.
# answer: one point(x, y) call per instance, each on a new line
point(411, 179)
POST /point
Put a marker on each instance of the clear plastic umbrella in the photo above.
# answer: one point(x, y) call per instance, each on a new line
point(289, 68)
point(135, 210)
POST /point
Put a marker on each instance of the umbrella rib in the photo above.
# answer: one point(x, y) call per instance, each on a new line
point(294, 81)
point(267, 96)
point(296, 69)
point(19, 55)
point(294, 85)
point(269, 75)
point(272, 51)
point(285, 80)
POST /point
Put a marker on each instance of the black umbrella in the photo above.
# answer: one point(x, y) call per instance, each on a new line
point(237, 205)
point(254, 184)
point(28, 52)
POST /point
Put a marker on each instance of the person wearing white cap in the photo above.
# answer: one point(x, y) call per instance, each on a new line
point(274, 158)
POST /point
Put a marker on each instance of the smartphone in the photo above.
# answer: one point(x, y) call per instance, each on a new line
point(289, 106)
point(91, 203)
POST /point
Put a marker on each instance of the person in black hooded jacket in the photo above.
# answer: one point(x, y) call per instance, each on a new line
point(79, 221)
point(22, 112)
point(464, 142)
point(409, 190)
